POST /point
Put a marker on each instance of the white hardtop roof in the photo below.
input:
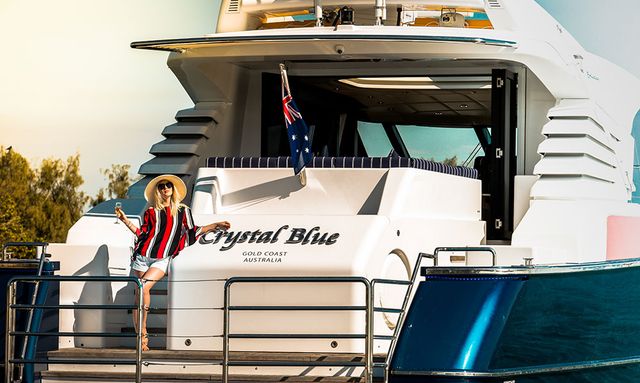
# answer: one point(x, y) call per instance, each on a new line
point(255, 5)
point(342, 32)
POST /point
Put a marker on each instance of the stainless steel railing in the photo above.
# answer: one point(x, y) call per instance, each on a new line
point(403, 309)
point(11, 332)
point(367, 336)
point(41, 253)
point(414, 275)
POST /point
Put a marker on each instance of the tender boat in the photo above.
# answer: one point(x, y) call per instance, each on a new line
point(468, 215)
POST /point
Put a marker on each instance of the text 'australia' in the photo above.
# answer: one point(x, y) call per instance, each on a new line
point(294, 236)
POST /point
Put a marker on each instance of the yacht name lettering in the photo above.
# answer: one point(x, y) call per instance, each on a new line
point(291, 236)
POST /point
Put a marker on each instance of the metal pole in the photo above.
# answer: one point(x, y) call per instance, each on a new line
point(430, 256)
point(317, 6)
point(369, 332)
point(380, 12)
point(140, 287)
point(9, 328)
point(225, 333)
point(405, 303)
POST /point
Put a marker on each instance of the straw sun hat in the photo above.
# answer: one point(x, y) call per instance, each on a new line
point(178, 185)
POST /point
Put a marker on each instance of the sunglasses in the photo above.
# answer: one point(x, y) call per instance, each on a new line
point(164, 185)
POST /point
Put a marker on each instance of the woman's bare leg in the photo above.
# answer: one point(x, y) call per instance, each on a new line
point(138, 275)
point(149, 279)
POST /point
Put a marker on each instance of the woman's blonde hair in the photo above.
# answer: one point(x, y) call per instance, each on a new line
point(175, 204)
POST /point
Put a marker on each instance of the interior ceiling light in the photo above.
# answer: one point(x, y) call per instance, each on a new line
point(441, 82)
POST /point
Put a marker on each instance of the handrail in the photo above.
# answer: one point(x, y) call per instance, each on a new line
point(7, 245)
point(368, 336)
point(42, 246)
point(494, 260)
point(12, 306)
point(414, 275)
point(405, 303)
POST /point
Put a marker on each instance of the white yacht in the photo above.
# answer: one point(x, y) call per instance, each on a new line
point(468, 214)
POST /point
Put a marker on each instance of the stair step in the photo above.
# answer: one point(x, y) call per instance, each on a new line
point(53, 376)
point(202, 366)
point(205, 355)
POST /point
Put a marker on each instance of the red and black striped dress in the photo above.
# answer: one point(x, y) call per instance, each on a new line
point(162, 235)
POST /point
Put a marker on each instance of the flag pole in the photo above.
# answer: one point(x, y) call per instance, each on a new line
point(302, 175)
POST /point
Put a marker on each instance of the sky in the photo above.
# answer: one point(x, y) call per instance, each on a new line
point(70, 83)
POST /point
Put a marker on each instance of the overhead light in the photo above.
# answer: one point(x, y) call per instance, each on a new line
point(440, 82)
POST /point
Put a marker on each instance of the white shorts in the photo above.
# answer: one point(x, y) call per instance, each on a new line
point(143, 264)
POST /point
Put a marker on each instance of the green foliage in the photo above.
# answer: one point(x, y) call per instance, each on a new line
point(119, 182)
point(58, 203)
point(453, 161)
point(41, 204)
point(99, 198)
point(12, 228)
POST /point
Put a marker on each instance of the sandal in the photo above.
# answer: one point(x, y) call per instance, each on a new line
point(145, 342)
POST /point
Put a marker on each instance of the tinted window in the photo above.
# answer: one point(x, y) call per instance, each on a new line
point(456, 146)
point(374, 139)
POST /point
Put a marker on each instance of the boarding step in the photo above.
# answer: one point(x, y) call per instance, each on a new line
point(87, 364)
point(117, 377)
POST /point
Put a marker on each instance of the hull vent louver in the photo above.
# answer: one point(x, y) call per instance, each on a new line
point(234, 6)
point(494, 4)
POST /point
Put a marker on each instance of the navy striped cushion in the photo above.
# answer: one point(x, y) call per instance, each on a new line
point(343, 162)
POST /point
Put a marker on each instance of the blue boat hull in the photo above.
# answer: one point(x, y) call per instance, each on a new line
point(579, 325)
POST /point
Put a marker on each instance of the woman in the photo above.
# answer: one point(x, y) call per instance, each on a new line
point(166, 229)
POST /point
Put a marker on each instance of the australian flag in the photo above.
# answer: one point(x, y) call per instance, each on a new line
point(297, 130)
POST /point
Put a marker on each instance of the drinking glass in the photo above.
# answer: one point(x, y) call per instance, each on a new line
point(118, 206)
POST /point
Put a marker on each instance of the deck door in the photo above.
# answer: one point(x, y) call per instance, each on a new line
point(502, 154)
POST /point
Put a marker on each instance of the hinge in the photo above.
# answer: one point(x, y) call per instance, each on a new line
point(499, 82)
point(499, 153)
point(498, 224)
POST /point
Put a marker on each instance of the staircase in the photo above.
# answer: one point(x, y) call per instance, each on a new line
point(182, 151)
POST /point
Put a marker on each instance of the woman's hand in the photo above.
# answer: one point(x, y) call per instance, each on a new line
point(120, 214)
point(222, 225)
point(123, 217)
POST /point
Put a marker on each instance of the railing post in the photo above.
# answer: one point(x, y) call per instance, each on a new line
point(369, 332)
point(317, 7)
point(140, 303)
point(225, 332)
point(9, 328)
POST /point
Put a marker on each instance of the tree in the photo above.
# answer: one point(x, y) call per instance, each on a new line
point(12, 228)
point(15, 197)
point(119, 182)
point(41, 204)
point(58, 203)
